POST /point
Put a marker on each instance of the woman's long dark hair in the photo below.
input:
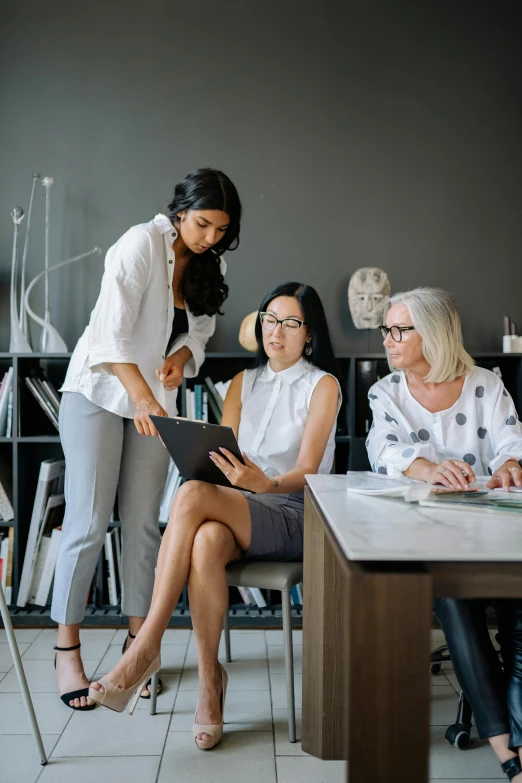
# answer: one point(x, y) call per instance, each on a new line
point(322, 355)
point(202, 285)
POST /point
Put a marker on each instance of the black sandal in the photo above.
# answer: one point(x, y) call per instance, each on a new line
point(511, 768)
point(147, 684)
point(67, 697)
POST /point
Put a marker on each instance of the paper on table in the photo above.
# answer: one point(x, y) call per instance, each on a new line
point(368, 483)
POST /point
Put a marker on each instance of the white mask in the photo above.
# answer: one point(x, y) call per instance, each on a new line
point(368, 295)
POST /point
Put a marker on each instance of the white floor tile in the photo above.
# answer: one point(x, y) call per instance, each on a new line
point(51, 713)
point(22, 634)
point(20, 751)
point(167, 696)
point(242, 675)
point(308, 769)
point(241, 756)
point(449, 762)
point(103, 732)
point(276, 659)
point(283, 746)
point(244, 645)
point(276, 638)
point(278, 687)
point(6, 659)
point(171, 636)
point(137, 769)
point(40, 677)
point(244, 711)
point(93, 647)
point(443, 706)
point(172, 658)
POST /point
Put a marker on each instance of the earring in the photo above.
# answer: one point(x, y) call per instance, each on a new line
point(308, 349)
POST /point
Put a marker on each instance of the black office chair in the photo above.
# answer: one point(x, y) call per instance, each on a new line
point(459, 733)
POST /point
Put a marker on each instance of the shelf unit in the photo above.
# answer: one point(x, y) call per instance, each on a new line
point(35, 439)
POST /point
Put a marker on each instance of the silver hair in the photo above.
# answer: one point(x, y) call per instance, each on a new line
point(435, 317)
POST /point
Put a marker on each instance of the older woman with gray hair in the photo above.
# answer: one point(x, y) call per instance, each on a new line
point(440, 419)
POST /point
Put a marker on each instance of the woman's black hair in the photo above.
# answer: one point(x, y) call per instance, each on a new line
point(322, 354)
point(202, 285)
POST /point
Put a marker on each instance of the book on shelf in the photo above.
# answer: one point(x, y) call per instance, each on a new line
point(50, 482)
point(9, 423)
point(6, 388)
point(6, 563)
point(6, 484)
point(214, 395)
point(171, 485)
point(46, 548)
point(113, 578)
point(6, 566)
point(45, 400)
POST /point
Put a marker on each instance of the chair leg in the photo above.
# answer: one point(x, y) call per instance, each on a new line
point(153, 692)
point(289, 663)
point(21, 677)
point(226, 631)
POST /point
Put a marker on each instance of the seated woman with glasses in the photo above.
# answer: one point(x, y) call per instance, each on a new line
point(438, 418)
point(283, 412)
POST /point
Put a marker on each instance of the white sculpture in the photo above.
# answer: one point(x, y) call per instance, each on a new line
point(23, 314)
point(47, 182)
point(53, 341)
point(247, 332)
point(18, 343)
point(368, 295)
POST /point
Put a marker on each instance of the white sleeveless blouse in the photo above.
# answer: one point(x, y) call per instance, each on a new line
point(274, 412)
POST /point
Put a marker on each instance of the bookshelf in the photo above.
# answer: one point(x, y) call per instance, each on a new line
point(34, 439)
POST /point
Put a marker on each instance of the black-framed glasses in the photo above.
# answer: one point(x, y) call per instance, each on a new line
point(395, 331)
point(288, 325)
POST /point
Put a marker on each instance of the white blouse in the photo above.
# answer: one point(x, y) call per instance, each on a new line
point(274, 413)
point(482, 427)
point(132, 321)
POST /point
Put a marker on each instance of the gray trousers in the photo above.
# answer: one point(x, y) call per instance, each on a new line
point(105, 455)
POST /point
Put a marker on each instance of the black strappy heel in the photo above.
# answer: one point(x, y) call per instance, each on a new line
point(67, 697)
point(511, 768)
point(148, 683)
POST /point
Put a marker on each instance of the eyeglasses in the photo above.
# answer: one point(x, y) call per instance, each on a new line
point(288, 325)
point(395, 331)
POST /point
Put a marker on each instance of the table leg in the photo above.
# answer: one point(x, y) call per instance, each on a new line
point(388, 696)
point(366, 646)
point(325, 672)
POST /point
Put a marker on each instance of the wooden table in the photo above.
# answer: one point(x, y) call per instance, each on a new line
point(372, 567)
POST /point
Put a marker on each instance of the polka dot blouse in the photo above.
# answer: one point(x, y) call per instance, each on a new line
point(482, 427)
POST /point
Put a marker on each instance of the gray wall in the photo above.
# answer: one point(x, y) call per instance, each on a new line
point(358, 133)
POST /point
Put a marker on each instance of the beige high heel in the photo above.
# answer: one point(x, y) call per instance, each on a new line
point(116, 698)
point(214, 729)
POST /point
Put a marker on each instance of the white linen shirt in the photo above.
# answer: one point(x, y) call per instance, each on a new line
point(132, 321)
point(481, 428)
point(274, 412)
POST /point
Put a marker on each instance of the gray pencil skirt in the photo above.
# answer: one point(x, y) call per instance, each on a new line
point(277, 526)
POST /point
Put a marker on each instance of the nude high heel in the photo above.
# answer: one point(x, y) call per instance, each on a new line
point(116, 698)
point(214, 729)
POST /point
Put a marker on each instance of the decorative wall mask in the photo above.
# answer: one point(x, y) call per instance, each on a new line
point(368, 295)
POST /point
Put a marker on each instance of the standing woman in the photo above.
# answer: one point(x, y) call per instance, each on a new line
point(162, 287)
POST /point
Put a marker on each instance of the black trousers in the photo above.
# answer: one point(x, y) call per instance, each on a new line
point(495, 694)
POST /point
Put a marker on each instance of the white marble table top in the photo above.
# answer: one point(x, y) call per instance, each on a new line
point(377, 528)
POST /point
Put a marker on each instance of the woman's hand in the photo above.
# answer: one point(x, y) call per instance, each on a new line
point(451, 473)
point(247, 476)
point(141, 417)
point(171, 373)
point(509, 474)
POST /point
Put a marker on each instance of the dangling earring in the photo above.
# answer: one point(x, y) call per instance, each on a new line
point(308, 349)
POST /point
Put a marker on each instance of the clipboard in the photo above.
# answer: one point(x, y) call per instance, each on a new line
point(189, 443)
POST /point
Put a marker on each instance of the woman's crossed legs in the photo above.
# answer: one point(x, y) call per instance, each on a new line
point(209, 526)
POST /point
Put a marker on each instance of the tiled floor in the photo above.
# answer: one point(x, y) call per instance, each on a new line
point(103, 745)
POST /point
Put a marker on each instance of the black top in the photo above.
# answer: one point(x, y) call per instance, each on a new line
point(179, 326)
